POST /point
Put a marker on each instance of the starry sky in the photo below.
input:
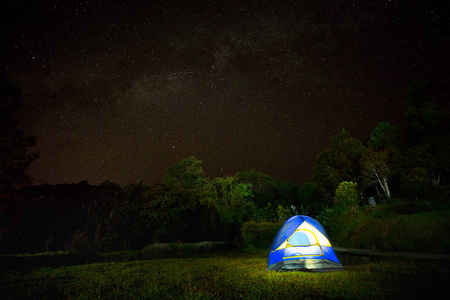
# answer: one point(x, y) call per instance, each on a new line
point(121, 90)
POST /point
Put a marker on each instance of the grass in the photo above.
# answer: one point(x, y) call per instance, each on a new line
point(236, 275)
point(180, 250)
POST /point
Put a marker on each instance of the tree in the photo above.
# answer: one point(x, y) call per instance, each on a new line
point(125, 222)
point(435, 162)
point(325, 175)
point(14, 144)
point(183, 209)
point(384, 136)
point(376, 170)
point(261, 185)
point(416, 183)
point(234, 201)
point(187, 174)
point(186, 215)
point(439, 163)
point(268, 193)
point(340, 163)
point(311, 198)
point(420, 157)
point(428, 117)
point(346, 153)
point(286, 193)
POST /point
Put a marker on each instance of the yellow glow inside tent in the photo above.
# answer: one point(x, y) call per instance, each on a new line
point(315, 237)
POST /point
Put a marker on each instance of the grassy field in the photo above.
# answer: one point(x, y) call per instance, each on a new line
point(235, 275)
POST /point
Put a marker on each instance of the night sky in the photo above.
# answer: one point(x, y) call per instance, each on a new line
point(122, 91)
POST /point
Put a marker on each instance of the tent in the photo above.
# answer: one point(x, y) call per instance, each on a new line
point(302, 245)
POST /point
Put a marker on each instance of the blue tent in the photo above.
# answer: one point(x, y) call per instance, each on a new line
point(302, 245)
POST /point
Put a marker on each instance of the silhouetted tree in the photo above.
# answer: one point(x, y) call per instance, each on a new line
point(384, 136)
point(424, 160)
point(324, 175)
point(427, 112)
point(188, 173)
point(260, 184)
point(234, 201)
point(14, 144)
point(312, 199)
point(346, 153)
point(183, 209)
point(340, 163)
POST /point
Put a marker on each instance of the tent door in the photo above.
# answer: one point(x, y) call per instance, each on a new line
point(303, 242)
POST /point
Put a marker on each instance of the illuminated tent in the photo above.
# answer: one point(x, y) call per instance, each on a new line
point(302, 245)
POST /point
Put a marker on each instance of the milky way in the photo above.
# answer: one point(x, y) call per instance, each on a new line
point(122, 91)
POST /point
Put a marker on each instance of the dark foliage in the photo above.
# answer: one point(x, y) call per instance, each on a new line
point(412, 162)
point(14, 144)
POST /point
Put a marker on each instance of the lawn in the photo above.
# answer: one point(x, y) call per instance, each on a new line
point(239, 274)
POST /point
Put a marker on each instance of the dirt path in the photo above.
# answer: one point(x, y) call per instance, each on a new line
point(393, 253)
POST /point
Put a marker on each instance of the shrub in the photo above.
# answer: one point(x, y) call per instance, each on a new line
point(111, 241)
point(259, 234)
point(346, 194)
point(340, 222)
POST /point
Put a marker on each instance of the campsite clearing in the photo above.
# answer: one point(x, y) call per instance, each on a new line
point(239, 274)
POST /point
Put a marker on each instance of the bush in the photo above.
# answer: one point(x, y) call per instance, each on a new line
point(259, 234)
point(346, 194)
point(111, 241)
point(393, 228)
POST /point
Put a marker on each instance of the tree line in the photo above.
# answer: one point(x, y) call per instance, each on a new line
point(187, 207)
point(411, 163)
